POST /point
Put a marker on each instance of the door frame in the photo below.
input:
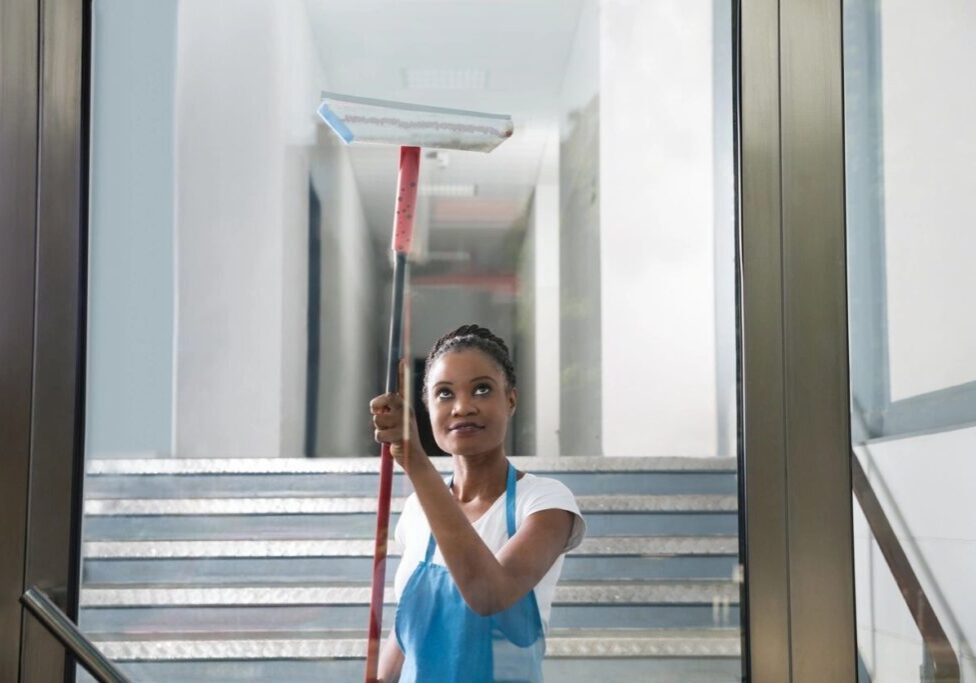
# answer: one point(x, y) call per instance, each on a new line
point(43, 252)
point(797, 504)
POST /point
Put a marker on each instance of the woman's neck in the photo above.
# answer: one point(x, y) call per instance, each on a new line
point(480, 476)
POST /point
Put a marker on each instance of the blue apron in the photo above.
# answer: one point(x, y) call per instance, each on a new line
point(445, 641)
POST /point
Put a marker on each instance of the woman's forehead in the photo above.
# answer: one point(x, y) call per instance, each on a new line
point(462, 365)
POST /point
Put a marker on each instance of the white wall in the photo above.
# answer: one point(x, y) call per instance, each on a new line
point(526, 344)
point(545, 230)
point(242, 186)
point(130, 314)
point(580, 334)
point(657, 228)
point(537, 314)
point(929, 105)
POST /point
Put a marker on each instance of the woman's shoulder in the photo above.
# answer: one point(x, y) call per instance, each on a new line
point(532, 485)
point(535, 494)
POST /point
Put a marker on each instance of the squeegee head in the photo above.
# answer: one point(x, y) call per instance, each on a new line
point(365, 120)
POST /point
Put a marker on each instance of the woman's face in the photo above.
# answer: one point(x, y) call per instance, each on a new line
point(469, 402)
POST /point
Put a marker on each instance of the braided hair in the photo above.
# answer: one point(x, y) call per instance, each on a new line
point(472, 337)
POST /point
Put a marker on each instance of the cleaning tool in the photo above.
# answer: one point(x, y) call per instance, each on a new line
point(411, 126)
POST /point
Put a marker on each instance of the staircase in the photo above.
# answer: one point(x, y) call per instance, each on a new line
point(258, 569)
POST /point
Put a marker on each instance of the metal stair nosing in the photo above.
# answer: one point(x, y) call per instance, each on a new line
point(322, 505)
point(590, 592)
point(584, 464)
point(616, 546)
point(720, 643)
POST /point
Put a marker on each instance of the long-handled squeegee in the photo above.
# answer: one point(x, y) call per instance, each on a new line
point(411, 126)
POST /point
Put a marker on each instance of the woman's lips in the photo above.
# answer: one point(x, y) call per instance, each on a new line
point(465, 428)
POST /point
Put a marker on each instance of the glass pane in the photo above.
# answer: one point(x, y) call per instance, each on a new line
point(239, 299)
point(910, 174)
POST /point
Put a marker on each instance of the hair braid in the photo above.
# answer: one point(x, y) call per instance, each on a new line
point(473, 337)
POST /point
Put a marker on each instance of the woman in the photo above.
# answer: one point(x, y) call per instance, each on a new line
point(482, 551)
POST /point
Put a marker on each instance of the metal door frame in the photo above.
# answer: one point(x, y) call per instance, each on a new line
point(43, 227)
point(795, 422)
point(797, 505)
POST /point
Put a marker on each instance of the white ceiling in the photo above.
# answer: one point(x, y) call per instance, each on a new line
point(500, 56)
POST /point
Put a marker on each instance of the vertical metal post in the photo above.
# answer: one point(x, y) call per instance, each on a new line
point(797, 502)
point(56, 451)
point(819, 496)
point(766, 548)
point(18, 201)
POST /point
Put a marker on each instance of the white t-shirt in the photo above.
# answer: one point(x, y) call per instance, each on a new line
point(532, 494)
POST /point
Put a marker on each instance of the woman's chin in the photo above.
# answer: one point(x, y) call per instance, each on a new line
point(472, 450)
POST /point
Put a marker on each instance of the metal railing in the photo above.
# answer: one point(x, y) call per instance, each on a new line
point(943, 658)
point(65, 630)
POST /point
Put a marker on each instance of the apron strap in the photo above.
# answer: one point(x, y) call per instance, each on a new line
point(509, 511)
point(510, 500)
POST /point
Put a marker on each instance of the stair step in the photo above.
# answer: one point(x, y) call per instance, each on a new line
point(593, 592)
point(298, 517)
point(227, 562)
point(370, 465)
point(303, 505)
point(564, 670)
point(236, 477)
point(219, 571)
point(204, 619)
point(572, 656)
point(560, 644)
point(623, 546)
point(668, 604)
point(352, 526)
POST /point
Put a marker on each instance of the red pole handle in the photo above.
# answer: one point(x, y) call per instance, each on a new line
point(379, 564)
point(406, 202)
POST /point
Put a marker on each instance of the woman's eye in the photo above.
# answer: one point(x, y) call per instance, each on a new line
point(481, 389)
point(442, 393)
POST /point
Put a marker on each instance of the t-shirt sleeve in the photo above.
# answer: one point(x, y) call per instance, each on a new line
point(552, 494)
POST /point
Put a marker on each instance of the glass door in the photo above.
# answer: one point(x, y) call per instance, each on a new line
point(238, 307)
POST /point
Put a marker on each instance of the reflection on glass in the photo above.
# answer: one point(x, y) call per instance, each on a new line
point(239, 304)
point(910, 174)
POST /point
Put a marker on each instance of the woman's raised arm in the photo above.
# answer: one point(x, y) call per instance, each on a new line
point(488, 583)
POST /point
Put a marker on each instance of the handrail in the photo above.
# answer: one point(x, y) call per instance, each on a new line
point(62, 628)
point(944, 660)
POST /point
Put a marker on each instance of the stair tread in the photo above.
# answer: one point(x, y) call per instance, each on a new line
point(298, 505)
point(622, 545)
point(591, 592)
point(588, 464)
point(560, 643)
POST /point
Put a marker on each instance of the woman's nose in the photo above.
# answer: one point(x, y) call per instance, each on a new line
point(463, 405)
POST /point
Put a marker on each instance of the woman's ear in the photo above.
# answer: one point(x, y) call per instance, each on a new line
point(512, 400)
